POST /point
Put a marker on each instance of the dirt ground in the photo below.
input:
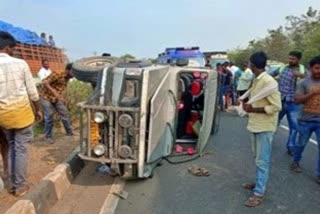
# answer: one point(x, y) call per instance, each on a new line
point(42, 159)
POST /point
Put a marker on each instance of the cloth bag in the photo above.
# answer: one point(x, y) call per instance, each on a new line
point(266, 91)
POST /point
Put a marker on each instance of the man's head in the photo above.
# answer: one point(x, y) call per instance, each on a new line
point(225, 66)
point(245, 65)
point(294, 58)
point(258, 62)
point(69, 71)
point(45, 63)
point(7, 43)
point(51, 37)
point(315, 68)
point(43, 35)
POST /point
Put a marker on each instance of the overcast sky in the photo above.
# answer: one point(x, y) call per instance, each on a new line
point(145, 27)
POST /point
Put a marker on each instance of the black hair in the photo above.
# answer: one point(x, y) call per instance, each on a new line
point(69, 66)
point(297, 54)
point(6, 39)
point(44, 60)
point(218, 64)
point(314, 61)
point(259, 59)
point(43, 34)
point(106, 54)
point(226, 63)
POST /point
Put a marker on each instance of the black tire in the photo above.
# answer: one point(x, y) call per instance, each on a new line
point(87, 69)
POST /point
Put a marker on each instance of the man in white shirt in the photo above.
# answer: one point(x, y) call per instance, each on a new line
point(17, 95)
point(45, 70)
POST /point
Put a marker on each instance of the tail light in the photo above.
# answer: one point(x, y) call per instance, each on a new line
point(196, 88)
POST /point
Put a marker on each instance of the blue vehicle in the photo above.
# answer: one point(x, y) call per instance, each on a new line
point(195, 57)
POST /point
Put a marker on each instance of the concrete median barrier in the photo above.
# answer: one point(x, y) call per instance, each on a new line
point(50, 189)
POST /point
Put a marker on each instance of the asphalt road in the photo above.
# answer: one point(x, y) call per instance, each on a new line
point(173, 190)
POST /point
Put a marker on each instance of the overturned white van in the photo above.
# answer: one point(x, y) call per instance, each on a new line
point(139, 112)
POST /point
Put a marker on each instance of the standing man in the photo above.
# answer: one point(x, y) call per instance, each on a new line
point(45, 71)
point(227, 85)
point(44, 39)
point(16, 115)
point(52, 100)
point(288, 76)
point(263, 117)
point(308, 93)
point(51, 41)
point(244, 80)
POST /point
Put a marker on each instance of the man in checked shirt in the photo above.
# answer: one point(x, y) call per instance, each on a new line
point(16, 115)
point(288, 76)
point(52, 101)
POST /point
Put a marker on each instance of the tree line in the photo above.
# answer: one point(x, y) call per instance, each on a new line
point(300, 33)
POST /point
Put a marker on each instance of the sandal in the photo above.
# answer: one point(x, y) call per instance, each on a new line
point(205, 172)
point(197, 171)
point(249, 186)
point(254, 201)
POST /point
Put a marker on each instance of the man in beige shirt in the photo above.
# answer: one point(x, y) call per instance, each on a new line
point(263, 118)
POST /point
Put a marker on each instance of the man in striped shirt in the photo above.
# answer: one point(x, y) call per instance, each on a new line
point(16, 115)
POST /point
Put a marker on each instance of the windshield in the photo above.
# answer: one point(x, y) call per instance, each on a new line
point(197, 62)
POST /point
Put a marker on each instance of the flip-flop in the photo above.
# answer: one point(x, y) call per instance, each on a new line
point(205, 172)
point(254, 201)
point(197, 171)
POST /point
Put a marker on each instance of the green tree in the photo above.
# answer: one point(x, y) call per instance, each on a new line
point(311, 45)
point(278, 45)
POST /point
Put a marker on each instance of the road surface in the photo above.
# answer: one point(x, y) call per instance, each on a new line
point(173, 190)
point(87, 193)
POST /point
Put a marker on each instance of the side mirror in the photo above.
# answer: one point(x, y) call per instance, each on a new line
point(182, 62)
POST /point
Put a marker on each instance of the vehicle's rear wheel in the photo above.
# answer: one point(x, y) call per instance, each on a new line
point(87, 69)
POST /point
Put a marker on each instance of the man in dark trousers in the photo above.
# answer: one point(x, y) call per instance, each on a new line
point(52, 101)
point(308, 93)
point(288, 77)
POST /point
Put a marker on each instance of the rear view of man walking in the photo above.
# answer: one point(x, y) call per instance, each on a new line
point(16, 115)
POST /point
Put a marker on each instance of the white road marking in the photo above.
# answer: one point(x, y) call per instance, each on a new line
point(110, 204)
point(287, 128)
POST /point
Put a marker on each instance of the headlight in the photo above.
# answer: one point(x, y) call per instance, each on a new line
point(125, 120)
point(99, 150)
point(99, 117)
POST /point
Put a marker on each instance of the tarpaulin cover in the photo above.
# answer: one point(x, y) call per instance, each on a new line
point(20, 34)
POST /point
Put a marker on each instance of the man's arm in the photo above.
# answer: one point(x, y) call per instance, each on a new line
point(302, 95)
point(48, 81)
point(273, 107)
point(32, 92)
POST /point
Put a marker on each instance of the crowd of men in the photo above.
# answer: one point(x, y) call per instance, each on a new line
point(22, 104)
point(291, 91)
